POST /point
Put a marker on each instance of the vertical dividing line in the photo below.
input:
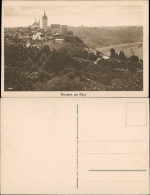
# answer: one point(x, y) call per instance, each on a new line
point(77, 124)
point(77, 147)
point(146, 113)
point(126, 106)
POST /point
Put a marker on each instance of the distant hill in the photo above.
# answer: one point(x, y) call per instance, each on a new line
point(97, 37)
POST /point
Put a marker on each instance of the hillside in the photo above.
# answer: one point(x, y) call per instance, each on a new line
point(105, 36)
point(70, 68)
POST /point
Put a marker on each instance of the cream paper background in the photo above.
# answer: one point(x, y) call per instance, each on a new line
point(144, 93)
point(46, 144)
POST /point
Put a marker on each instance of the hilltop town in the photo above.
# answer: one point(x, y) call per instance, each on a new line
point(35, 35)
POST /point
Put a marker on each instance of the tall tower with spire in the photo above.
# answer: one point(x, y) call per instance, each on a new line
point(44, 21)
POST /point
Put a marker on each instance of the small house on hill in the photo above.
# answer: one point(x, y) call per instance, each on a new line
point(61, 41)
point(37, 36)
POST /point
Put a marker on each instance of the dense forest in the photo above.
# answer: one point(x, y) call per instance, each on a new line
point(105, 36)
point(71, 68)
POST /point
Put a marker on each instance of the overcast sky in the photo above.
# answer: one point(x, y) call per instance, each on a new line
point(75, 14)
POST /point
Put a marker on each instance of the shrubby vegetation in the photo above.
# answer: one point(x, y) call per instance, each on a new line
point(70, 68)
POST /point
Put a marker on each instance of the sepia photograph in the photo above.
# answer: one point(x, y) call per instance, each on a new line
point(88, 46)
point(84, 146)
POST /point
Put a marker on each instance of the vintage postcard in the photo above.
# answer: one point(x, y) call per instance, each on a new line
point(75, 146)
point(75, 48)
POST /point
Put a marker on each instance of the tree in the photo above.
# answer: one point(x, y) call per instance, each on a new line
point(122, 55)
point(134, 59)
point(133, 63)
point(46, 49)
point(113, 53)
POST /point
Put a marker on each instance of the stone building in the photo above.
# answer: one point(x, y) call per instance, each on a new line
point(56, 28)
point(64, 29)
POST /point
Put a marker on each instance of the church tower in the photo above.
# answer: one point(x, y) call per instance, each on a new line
point(44, 21)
